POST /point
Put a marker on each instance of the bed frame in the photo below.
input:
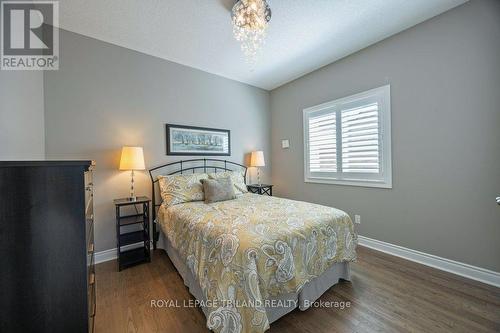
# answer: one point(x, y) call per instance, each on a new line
point(184, 167)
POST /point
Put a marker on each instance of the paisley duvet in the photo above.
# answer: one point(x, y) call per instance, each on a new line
point(246, 250)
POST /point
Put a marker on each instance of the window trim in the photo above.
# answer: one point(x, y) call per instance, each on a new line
point(383, 97)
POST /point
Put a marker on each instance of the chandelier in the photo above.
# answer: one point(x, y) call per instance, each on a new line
point(250, 19)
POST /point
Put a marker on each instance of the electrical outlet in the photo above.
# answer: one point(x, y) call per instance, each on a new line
point(357, 219)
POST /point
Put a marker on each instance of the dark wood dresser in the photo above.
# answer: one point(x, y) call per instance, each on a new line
point(47, 279)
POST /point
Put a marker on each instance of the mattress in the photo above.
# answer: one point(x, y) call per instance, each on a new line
point(239, 254)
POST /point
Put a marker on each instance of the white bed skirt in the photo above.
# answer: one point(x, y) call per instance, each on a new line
point(308, 295)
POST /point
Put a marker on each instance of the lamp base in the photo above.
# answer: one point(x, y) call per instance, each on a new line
point(132, 197)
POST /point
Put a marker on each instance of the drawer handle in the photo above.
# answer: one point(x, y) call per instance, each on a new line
point(91, 248)
point(92, 278)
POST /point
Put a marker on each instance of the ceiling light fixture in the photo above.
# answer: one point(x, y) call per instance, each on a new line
point(250, 19)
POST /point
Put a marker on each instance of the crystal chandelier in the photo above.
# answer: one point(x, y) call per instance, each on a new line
point(250, 19)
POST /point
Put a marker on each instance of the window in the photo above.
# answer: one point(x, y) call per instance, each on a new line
point(348, 141)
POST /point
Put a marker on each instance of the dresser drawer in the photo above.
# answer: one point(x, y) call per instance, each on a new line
point(90, 253)
point(89, 206)
point(90, 247)
point(91, 324)
point(90, 268)
point(91, 301)
point(91, 275)
point(89, 229)
point(88, 176)
point(89, 193)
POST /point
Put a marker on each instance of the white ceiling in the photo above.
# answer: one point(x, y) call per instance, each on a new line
point(303, 34)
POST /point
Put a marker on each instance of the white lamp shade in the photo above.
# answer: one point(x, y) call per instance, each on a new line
point(257, 159)
point(132, 159)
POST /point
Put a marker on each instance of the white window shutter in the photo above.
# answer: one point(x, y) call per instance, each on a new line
point(348, 141)
point(361, 139)
point(323, 143)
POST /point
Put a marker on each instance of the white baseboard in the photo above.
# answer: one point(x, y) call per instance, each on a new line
point(455, 267)
point(110, 254)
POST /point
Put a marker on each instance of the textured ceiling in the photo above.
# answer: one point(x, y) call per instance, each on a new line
point(303, 35)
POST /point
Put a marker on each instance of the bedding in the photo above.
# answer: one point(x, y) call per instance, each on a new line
point(176, 189)
point(254, 248)
point(236, 176)
point(302, 300)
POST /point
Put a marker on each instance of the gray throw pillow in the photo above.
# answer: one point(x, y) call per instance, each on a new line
point(218, 189)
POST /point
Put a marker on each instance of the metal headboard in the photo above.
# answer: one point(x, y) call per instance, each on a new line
point(183, 167)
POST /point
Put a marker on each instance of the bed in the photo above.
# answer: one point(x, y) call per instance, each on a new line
point(251, 260)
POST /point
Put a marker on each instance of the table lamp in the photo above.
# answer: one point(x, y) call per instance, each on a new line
point(132, 159)
point(257, 160)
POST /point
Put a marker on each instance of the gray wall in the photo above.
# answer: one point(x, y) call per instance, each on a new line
point(105, 96)
point(445, 90)
point(22, 131)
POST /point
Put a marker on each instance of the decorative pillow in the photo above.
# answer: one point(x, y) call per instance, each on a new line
point(178, 189)
point(221, 189)
point(237, 178)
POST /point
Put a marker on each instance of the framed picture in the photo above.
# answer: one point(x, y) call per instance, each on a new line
point(190, 140)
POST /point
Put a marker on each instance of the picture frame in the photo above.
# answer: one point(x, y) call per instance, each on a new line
point(197, 141)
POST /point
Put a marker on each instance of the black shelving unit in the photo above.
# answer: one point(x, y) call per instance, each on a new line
point(139, 234)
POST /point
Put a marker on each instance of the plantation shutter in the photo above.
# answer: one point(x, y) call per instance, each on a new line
point(323, 143)
point(361, 139)
point(348, 141)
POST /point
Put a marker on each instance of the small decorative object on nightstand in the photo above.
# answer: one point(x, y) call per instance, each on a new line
point(138, 221)
point(261, 189)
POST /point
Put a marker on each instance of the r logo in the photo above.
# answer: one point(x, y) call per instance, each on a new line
point(28, 30)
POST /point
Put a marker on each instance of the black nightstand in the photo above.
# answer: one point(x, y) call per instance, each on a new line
point(138, 221)
point(261, 189)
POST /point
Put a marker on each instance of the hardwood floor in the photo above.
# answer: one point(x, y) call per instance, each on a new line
point(387, 294)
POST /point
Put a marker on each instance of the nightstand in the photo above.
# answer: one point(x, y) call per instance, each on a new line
point(131, 229)
point(261, 189)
